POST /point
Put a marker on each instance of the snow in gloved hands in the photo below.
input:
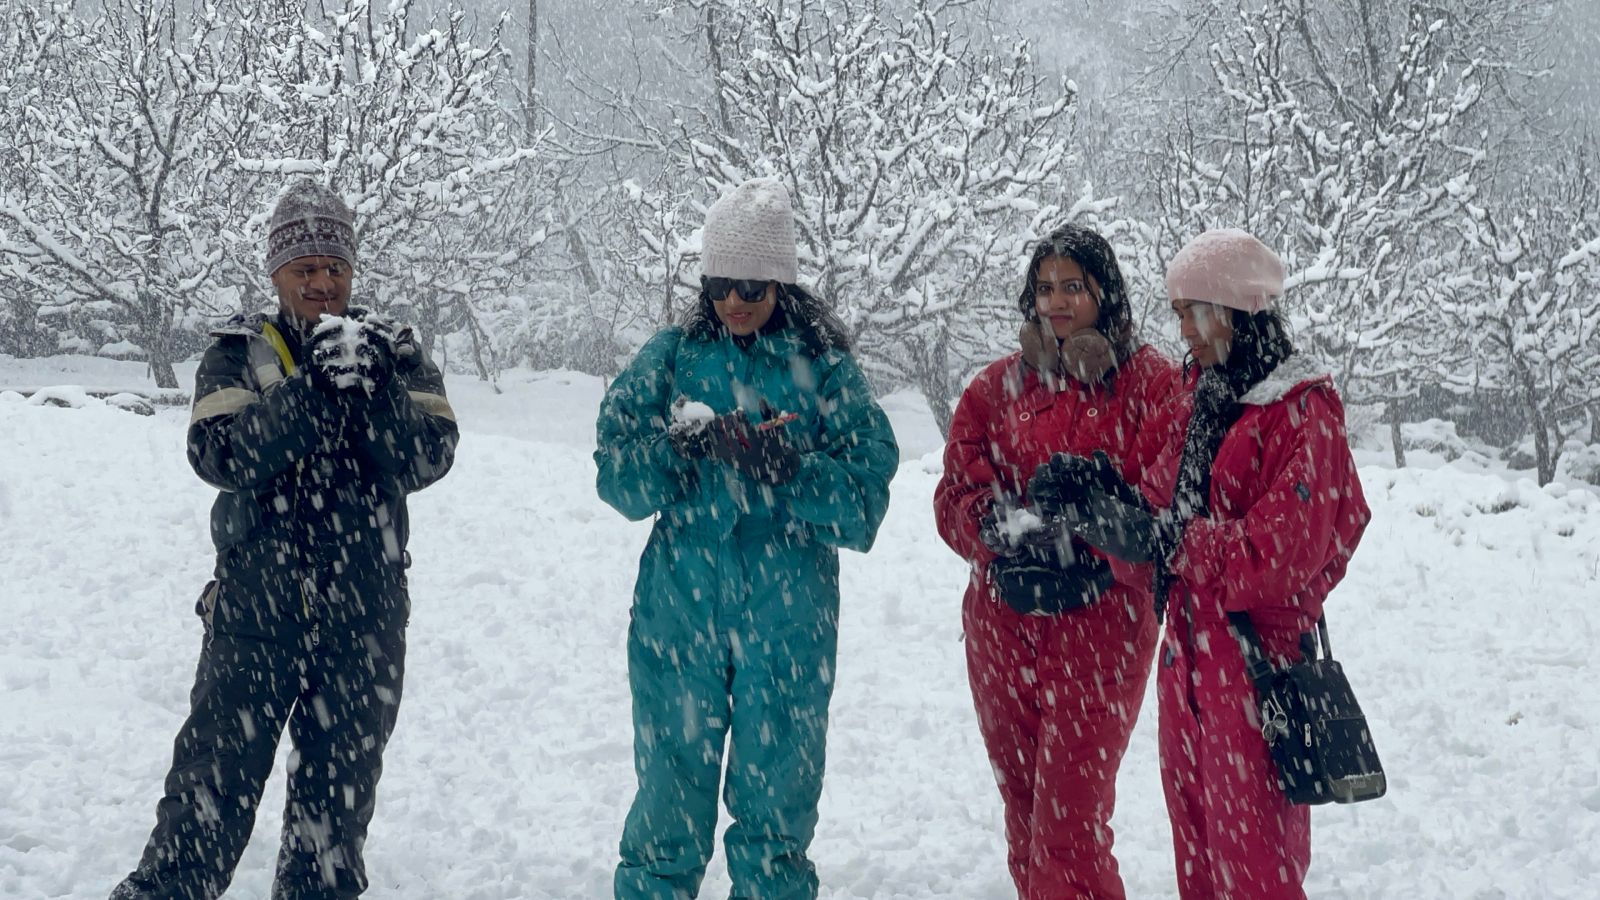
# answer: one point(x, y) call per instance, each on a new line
point(690, 428)
point(1017, 525)
point(344, 348)
point(690, 416)
point(1011, 530)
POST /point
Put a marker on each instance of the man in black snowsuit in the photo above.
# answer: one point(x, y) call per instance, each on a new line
point(314, 430)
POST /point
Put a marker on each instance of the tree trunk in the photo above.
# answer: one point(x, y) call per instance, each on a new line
point(943, 411)
point(156, 324)
point(1557, 444)
point(428, 317)
point(1394, 416)
point(1594, 423)
point(1395, 412)
point(667, 284)
point(161, 364)
point(1544, 461)
point(580, 255)
point(22, 337)
point(714, 54)
point(482, 351)
point(933, 378)
point(530, 111)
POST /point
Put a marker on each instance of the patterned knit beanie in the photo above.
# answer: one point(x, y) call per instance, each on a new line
point(1227, 267)
point(749, 233)
point(310, 220)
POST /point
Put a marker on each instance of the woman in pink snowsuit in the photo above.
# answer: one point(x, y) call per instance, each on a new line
point(1255, 507)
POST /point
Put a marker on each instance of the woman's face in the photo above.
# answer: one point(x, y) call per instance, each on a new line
point(1064, 296)
point(742, 317)
point(1207, 328)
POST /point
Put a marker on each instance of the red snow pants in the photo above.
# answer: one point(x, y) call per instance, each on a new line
point(1235, 835)
point(1057, 698)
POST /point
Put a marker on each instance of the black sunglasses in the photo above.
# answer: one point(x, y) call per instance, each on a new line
point(751, 290)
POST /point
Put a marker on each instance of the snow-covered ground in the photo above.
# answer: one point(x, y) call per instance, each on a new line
point(1469, 624)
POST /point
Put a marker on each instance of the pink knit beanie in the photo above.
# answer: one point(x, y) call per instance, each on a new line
point(1227, 267)
point(749, 233)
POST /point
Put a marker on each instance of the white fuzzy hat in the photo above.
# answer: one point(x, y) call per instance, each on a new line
point(1227, 267)
point(749, 233)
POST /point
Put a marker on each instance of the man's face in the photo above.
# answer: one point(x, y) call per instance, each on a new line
point(310, 287)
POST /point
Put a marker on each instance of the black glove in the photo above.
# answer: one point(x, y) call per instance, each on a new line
point(995, 537)
point(1032, 585)
point(332, 360)
point(376, 352)
point(1006, 535)
point(702, 439)
point(1066, 480)
point(760, 452)
point(1129, 532)
point(689, 443)
point(765, 455)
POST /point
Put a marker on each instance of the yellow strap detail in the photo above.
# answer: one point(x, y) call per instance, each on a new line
point(222, 402)
point(281, 347)
point(433, 404)
point(276, 340)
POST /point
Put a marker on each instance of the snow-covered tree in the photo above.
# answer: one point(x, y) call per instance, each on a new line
point(1341, 141)
point(920, 163)
point(151, 140)
point(1530, 303)
point(404, 119)
point(110, 203)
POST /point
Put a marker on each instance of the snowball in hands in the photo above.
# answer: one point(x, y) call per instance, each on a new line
point(344, 356)
point(690, 416)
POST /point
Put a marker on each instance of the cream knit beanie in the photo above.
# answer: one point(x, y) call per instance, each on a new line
point(749, 233)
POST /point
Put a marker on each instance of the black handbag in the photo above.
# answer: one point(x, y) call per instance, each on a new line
point(1312, 723)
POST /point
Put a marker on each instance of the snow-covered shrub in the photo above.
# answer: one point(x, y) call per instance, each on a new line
point(1362, 422)
point(1581, 462)
point(1435, 436)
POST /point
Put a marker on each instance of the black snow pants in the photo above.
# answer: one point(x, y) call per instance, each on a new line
point(339, 699)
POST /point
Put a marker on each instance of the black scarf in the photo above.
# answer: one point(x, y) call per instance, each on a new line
point(1216, 409)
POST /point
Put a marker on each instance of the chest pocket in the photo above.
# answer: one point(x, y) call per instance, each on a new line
point(1030, 421)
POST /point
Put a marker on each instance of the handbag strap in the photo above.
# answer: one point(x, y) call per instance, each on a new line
point(1257, 666)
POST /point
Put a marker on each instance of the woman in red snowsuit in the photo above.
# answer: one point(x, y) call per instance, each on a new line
point(1261, 510)
point(1058, 651)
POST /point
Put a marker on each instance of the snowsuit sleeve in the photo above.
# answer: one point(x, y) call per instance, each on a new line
point(1157, 383)
point(411, 431)
point(640, 473)
point(1155, 387)
point(1303, 527)
point(239, 437)
point(842, 489)
point(966, 492)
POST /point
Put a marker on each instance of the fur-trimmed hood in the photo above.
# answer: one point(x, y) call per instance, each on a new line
point(1290, 374)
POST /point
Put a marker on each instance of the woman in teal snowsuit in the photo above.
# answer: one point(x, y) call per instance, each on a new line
point(752, 436)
